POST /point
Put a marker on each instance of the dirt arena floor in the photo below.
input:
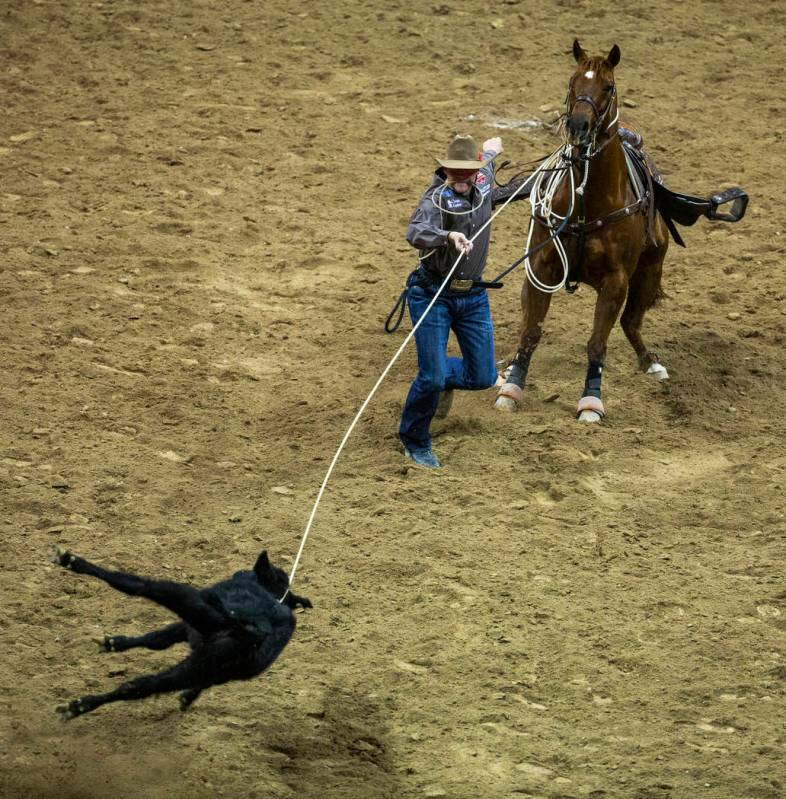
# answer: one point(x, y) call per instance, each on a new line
point(202, 220)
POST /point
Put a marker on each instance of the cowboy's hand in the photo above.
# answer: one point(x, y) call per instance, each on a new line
point(494, 145)
point(460, 242)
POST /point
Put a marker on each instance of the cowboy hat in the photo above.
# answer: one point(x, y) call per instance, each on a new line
point(463, 154)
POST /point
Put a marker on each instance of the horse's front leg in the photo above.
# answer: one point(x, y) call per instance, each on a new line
point(534, 307)
point(611, 294)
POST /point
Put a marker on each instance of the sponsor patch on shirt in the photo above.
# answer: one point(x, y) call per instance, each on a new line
point(480, 179)
point(455, 202)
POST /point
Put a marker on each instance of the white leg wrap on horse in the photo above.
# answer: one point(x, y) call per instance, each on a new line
point(590, 409)
point(503, 376)
point(658, 371)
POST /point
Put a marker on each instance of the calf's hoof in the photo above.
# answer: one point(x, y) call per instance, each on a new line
point(61, 557)
point(658, 371)
point(187, 698)
point(590, 409)
point(508, 397)
point(70, 711)
point(302, 601)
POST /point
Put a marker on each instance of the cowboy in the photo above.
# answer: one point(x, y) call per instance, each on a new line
point(451, 211)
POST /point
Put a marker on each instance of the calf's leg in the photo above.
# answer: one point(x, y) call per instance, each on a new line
point(158, 639)
point(184, 600)
point(182, 677)
point(215, 662)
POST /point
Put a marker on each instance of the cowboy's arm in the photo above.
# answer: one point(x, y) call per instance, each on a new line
point(491, 149)
point(501, 193)
point(425, 229)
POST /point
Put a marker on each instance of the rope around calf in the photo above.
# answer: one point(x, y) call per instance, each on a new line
point(374, 391)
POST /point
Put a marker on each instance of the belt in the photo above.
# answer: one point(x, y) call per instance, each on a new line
point(457, 284)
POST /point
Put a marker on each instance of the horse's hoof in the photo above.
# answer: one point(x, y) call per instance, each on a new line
point(508, 397)
point(105, 644)
point(505, 404)
point(658, 371)
point(590, 409)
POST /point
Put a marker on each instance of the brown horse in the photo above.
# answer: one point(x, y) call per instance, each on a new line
point(602, 234)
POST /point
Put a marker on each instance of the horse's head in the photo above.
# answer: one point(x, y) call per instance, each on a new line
point(591, 100)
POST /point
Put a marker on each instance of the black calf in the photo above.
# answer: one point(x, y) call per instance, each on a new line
point(235, 628)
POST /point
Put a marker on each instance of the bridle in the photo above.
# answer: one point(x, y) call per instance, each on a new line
point(591, 151)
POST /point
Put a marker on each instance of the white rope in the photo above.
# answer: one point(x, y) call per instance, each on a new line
point(439, 194)
point(547, 181)
point(376, 386)
point(448, 211)
point(616, 117)
point(542, 197)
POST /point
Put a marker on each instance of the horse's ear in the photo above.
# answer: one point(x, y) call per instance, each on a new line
point(614, 56)
point(578, 52)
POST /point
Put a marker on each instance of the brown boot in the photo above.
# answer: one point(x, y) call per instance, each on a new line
point(443, 406)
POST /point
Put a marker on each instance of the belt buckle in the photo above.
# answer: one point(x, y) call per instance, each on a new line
point(460, 284)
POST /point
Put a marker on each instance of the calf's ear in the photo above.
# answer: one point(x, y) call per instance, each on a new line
point(262, 566)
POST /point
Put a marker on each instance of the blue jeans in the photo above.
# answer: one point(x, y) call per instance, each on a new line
point(469, 317)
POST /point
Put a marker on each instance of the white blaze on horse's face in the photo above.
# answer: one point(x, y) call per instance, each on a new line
point(589, 74)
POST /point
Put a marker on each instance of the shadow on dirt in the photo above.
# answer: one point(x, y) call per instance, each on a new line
point(347, 755)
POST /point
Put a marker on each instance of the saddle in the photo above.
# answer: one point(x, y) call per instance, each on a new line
point(682, 209)
point(646, 180)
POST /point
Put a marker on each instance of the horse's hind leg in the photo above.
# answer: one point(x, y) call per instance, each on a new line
point(184, 600)
point(185, 676)
point(644, 291)
point(158, 639)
